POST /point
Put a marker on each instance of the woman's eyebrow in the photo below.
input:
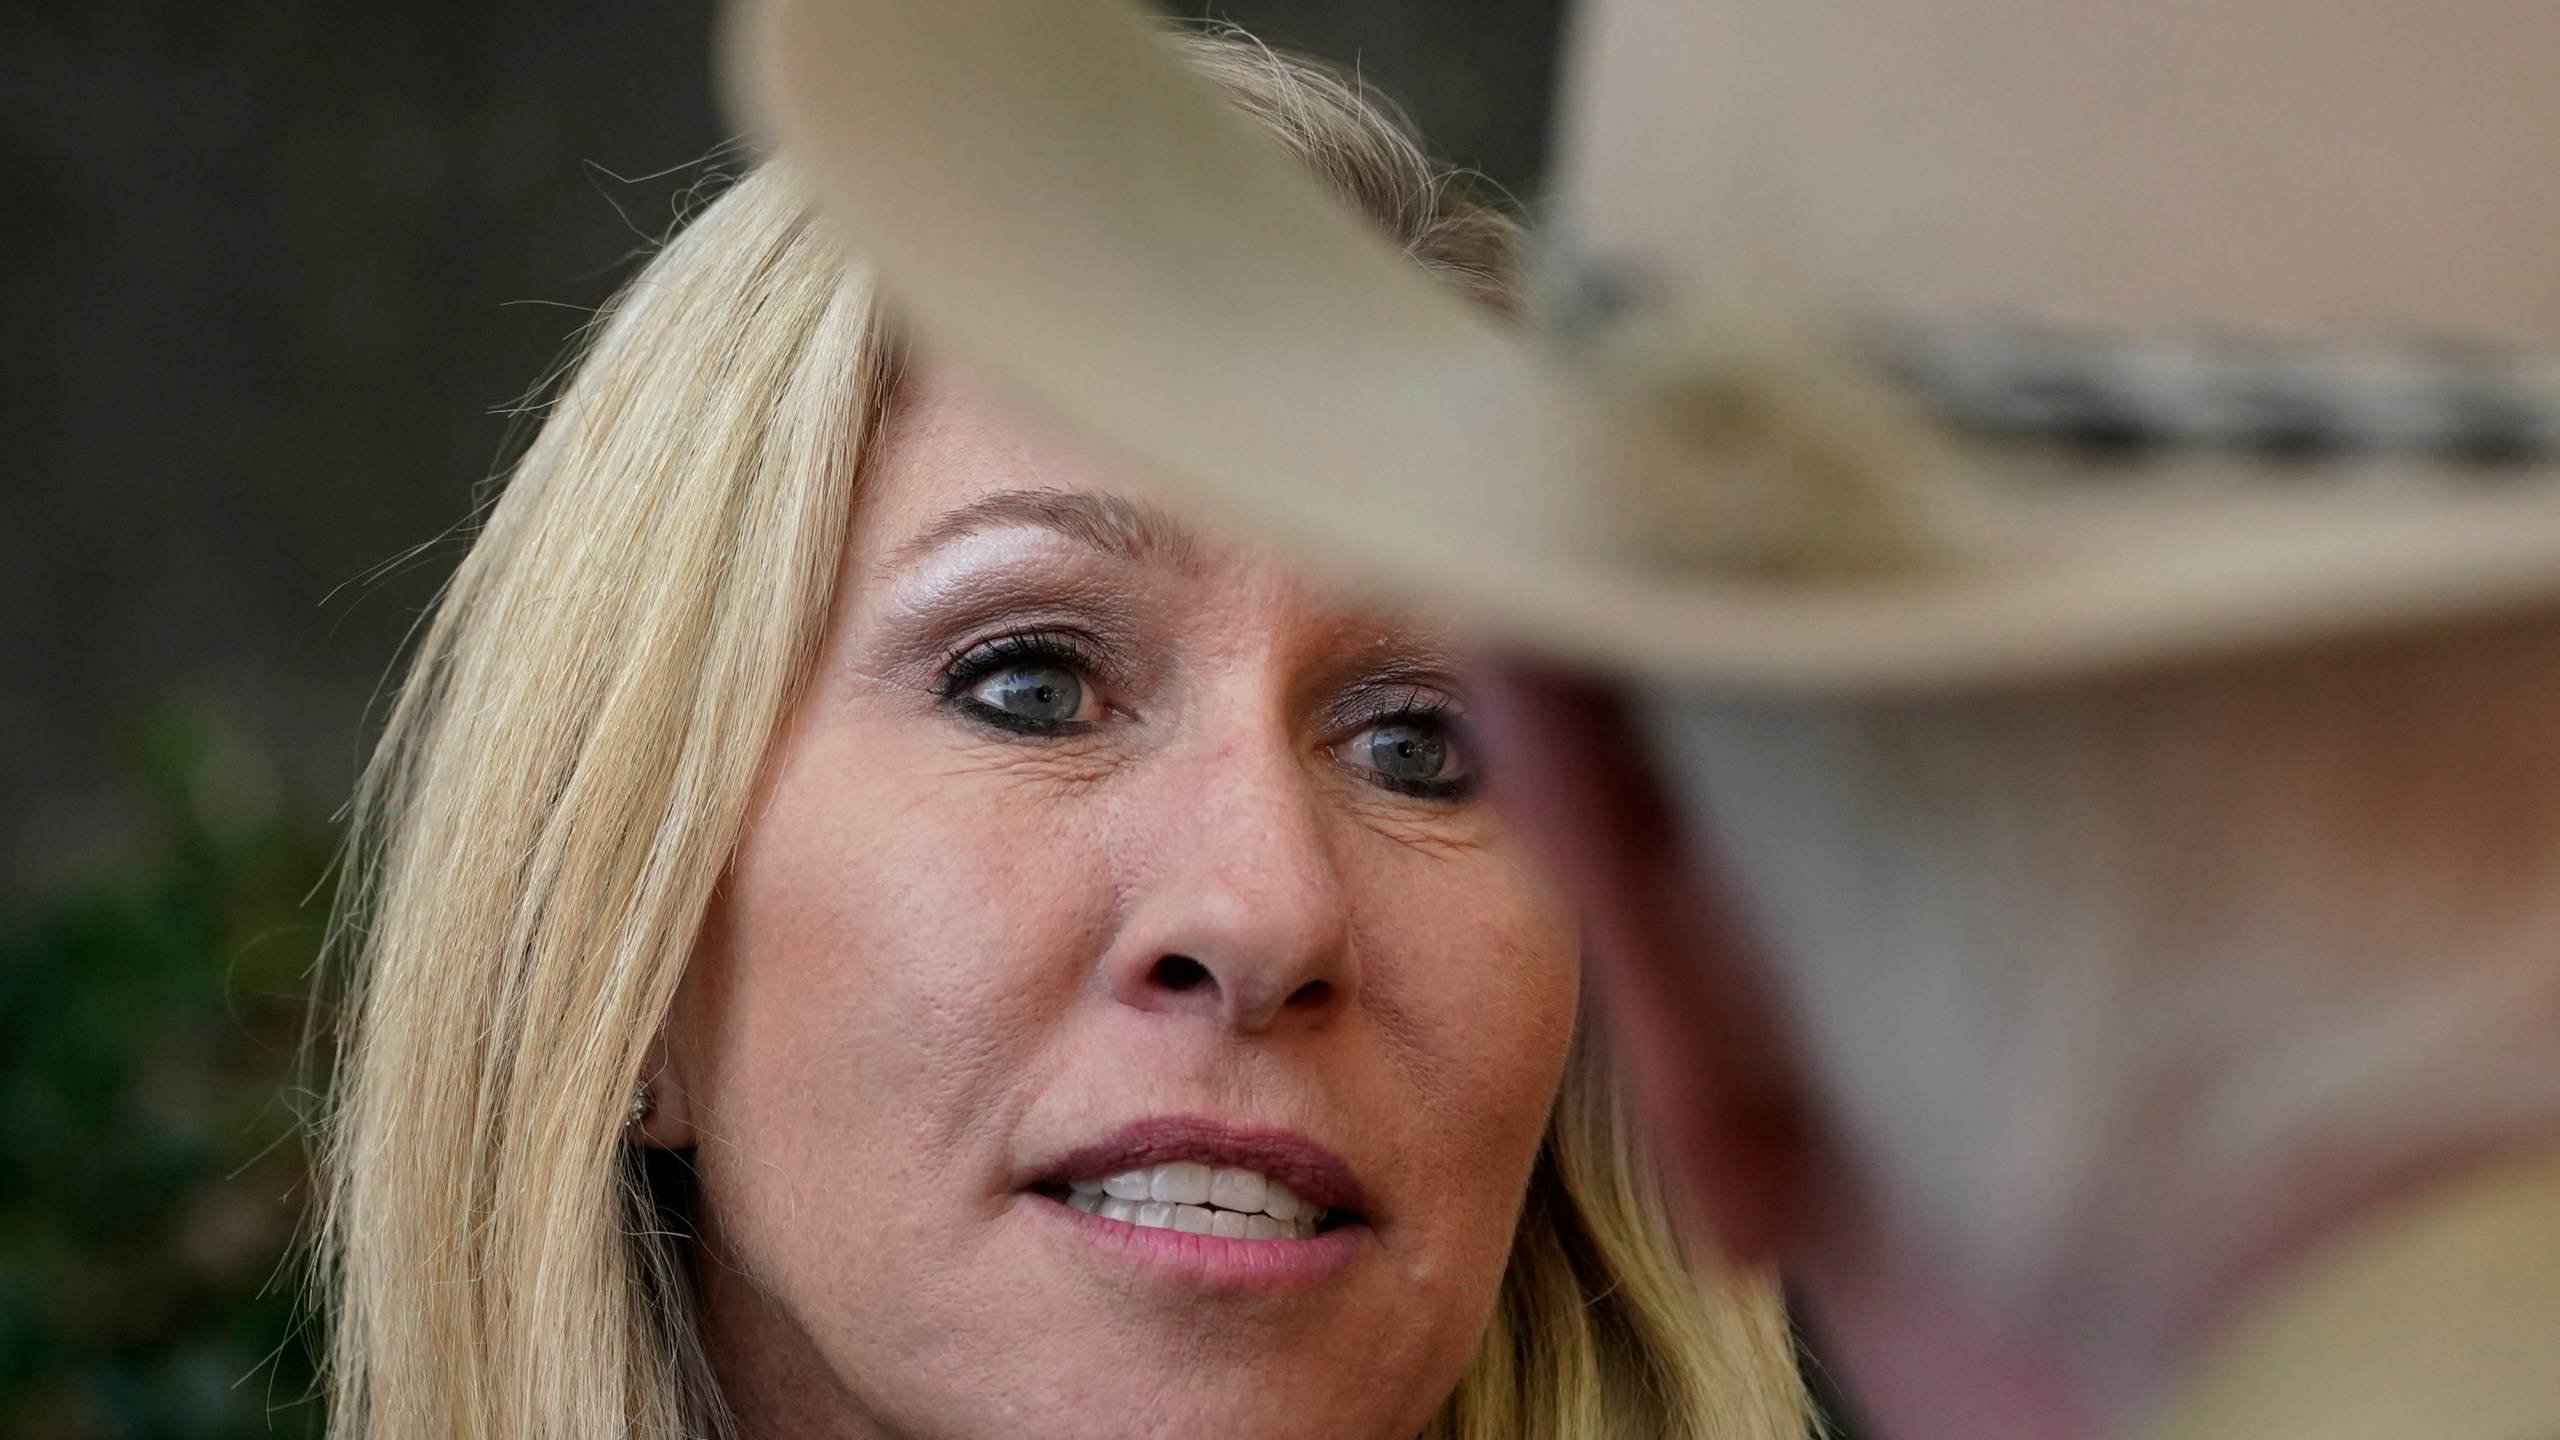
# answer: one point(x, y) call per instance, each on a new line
point(1132, 531)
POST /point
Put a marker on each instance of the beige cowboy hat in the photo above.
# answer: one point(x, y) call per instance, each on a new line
point(1936, 343)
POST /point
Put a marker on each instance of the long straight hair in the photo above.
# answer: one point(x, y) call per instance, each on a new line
point(563, 780)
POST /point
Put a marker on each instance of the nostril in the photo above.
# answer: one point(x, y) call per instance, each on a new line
point(1178, 973)
point(1311, 995)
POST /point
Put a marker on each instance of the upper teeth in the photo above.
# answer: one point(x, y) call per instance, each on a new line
point(1188, 1196)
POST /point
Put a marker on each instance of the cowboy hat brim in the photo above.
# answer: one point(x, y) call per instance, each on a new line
point(1051, 196)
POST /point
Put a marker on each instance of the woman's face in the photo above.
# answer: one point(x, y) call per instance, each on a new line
point(1123, 1016)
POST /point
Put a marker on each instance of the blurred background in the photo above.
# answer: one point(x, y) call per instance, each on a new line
point(276, 281)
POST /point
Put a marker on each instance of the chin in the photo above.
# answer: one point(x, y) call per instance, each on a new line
point(1180, 1387)
point(1078, 1353)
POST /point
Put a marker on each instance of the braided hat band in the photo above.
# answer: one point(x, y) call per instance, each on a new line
point(2106, 396)
point(1807, 456)
point(1804, 460)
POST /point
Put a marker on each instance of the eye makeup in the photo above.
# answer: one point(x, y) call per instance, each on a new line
point(1407, 735)
point(1017, 634)
point(998, 600)
point(1026, 682)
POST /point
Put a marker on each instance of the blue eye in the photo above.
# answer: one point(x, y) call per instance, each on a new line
point(1412, 754)
point(1041, 694)
point(1030, 684)
point(1406, 752)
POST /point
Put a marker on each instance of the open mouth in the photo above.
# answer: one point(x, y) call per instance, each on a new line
point(1192, 1198)
point(1295, 1203)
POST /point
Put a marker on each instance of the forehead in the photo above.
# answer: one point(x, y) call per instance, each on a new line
point(956, 461)
point(951, 441)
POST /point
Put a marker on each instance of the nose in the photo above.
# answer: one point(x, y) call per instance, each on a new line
point(1237, 908)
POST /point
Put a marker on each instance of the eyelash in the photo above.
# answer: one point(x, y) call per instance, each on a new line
point(1417, 706)
point(973, 663)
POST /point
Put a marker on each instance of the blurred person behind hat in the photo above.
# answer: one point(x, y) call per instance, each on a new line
point(2035, 530)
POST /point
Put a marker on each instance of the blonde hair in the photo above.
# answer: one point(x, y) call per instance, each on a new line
point(560, 787)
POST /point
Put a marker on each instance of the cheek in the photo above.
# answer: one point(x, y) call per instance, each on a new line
point(1476, 978)
point(892, 962)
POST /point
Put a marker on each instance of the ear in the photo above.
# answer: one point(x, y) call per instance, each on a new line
point(667, 1124)
point(682, 1058)
point(1694, 1026)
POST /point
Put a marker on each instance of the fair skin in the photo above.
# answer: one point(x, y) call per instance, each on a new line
point(1099, 843)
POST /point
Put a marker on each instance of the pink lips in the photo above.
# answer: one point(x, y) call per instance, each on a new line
point(1314, 1172)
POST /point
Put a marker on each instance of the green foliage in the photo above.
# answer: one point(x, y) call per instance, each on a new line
point(151, 1173)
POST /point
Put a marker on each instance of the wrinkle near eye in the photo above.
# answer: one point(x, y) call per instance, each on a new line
point(1436, 829)
point(1069, 762)
point(1440, 841)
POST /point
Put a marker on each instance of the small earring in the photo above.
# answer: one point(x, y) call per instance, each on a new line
point(640, 1105)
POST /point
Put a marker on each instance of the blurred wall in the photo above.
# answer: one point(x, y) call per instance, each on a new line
point(271, 274)
point(271, 269)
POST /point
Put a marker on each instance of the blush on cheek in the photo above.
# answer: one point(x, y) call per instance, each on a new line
point(867, 1017)
point(1476, 980)
point(904, 942)
point(1485, 987)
